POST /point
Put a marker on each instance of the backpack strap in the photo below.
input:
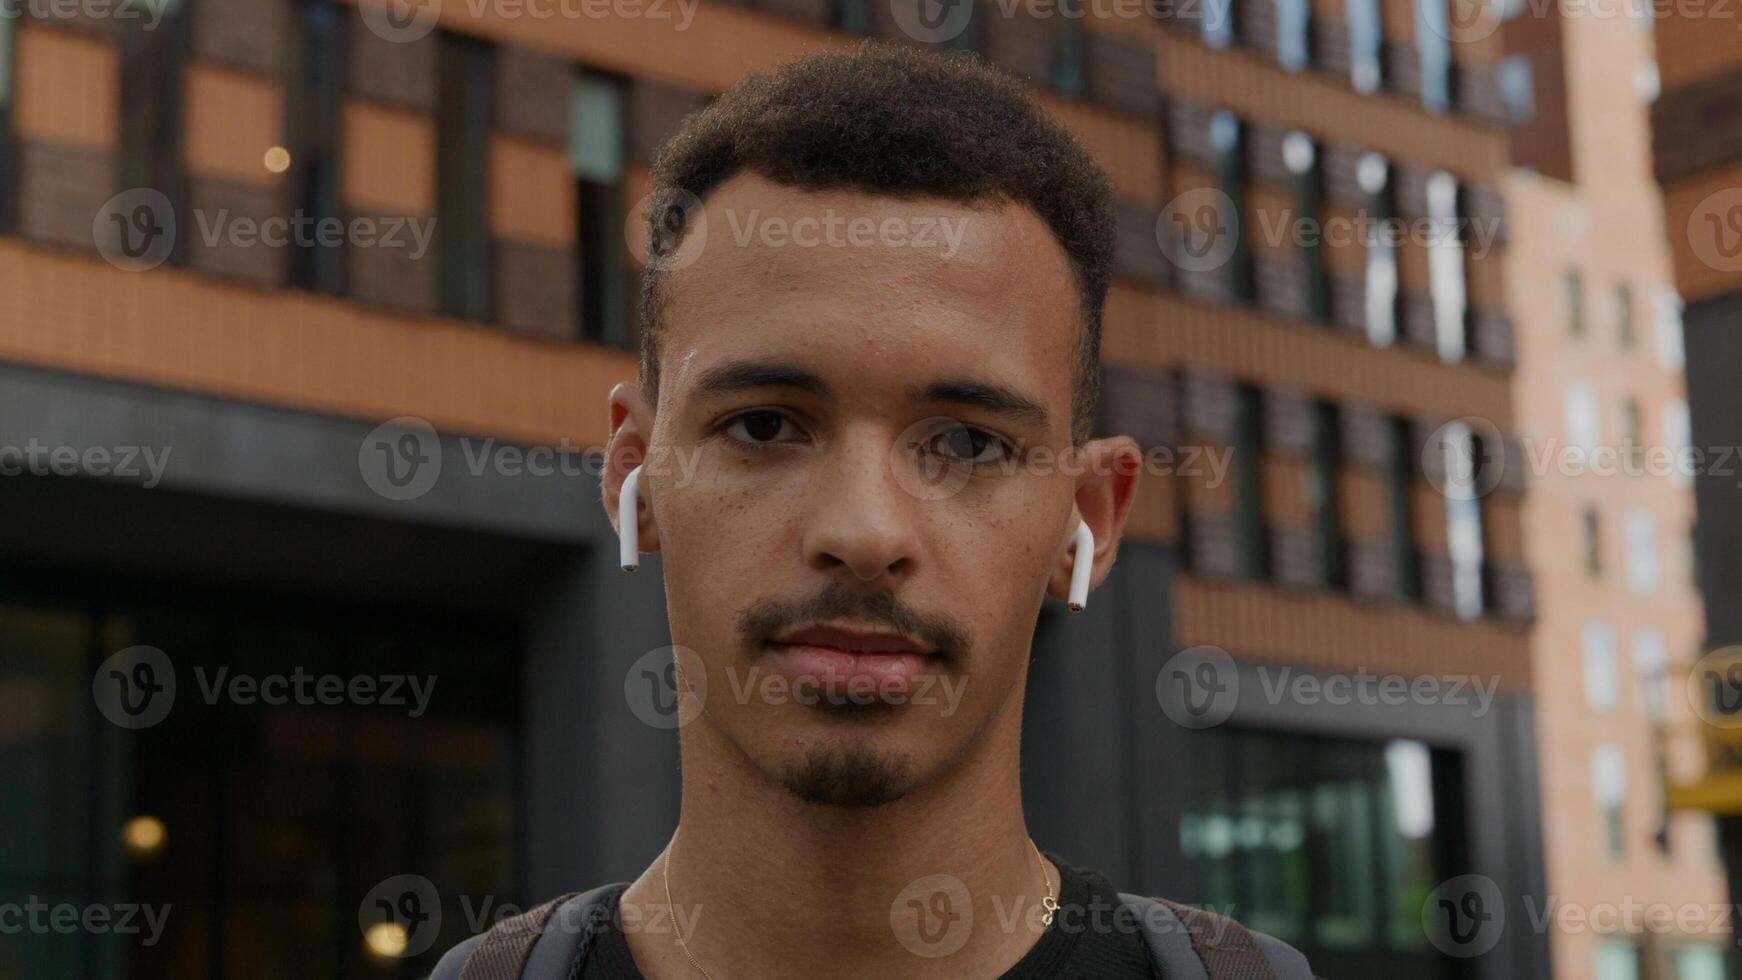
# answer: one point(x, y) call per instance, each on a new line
point(539, 944)
point(1189, 943)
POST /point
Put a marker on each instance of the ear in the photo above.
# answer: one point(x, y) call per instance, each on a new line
point(631, 428)
point(1105, 491)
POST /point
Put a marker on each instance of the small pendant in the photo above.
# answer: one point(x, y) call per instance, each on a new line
point(1051, 905)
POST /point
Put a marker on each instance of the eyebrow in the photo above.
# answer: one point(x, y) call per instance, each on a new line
point(989, 396)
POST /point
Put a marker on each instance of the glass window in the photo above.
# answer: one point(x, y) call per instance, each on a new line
point(1248, 490)
point(1602, 680)
point(1625, 334)
point(462, 175)
point(1227, 138)
point(1366, 45)
point(1592, 526)
point(314, 118)
point(1616, 959)
point(1584, 425)
point(1379, 291)
point(1301, 159)
point(152, 123)
point(853, 17)
point(1699, 961)
point(1678, 437)
point(1433, 32)
point(8, 168)
point(1067, 60)
point(1670, 349)
point(1217, 27)
point(1446, 266)
point(1463, 456)
point(1328, 843)
point(1650, 664)
point(1293, 42)
point(1322, 495)
point(1400, 467)
point(1641, 535)
point(1515, 76)
point(597, 155)
point(1609, 786)
point(1632, 434)
point(1573, 302)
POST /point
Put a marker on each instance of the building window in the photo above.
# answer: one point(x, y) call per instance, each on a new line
point(1640, 531)
point(313, 111)
point(1515, 76)
point(1632, 434)
point(1573, 303)
point(152, 98)
point(1446, 266)
point(1463, 460)
point(1650, 664)
point(1592, 526)
point(1671, 352)
point(1433, 32)
point(1379, 291)
point(1248, 490)
point(853, 17)
point(462, 175)
point(1306, 180)
point(1625, 334)
point(1293, 43)
point(1227, 138)
point(1400, 467)
point(1678, 437)
point(1609, 786)
point(1602, 676)
point(1322, 496)
point(1366, 45)
point(1616, 959)
point(1697, 960)
point(1067, 56)
point(597, 155)
point(8, 142)
point(1324, 842)
point(1217, 27)
point(1584, 426)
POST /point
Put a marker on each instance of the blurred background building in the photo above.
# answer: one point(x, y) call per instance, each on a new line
point(379, 460)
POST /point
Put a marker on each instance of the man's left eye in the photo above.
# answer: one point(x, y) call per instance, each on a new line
point(967, 444)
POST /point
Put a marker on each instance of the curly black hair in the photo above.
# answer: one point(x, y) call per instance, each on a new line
point(895, 120)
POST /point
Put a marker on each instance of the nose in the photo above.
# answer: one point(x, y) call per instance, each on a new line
point(861, 520)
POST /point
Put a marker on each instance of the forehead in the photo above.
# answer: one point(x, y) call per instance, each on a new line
point(872, 292)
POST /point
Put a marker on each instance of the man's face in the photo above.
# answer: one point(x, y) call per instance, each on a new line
point(863, 382)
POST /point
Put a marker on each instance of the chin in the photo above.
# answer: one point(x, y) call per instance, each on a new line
point(855, 774)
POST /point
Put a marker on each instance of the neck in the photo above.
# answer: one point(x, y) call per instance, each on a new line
point(767, 885)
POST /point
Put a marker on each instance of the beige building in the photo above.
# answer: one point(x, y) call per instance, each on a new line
point(1600, 400)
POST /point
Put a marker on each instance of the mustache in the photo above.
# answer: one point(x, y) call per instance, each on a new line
point(837, 601)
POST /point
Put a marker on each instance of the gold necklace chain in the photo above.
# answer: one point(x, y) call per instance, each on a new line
point(1049, 904)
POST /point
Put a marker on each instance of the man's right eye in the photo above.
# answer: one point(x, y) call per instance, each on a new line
point(759, 428)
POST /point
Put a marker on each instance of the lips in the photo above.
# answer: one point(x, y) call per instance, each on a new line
point(847, 661)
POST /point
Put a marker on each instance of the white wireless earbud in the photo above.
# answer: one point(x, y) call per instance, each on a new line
point(628, 527)
point(1082, 560)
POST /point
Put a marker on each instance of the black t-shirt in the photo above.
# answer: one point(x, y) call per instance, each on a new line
point(1086, 941)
